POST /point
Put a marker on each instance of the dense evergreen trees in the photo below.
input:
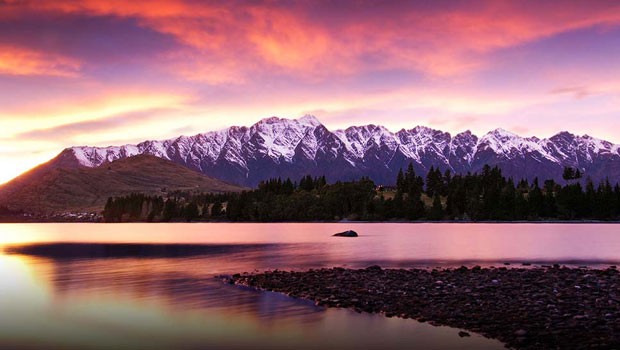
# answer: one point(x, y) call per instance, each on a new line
point(6, 211)
point(571, 174)
point(483, 196)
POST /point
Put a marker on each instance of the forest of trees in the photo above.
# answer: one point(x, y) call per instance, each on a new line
point(484, 196)
point(5, 211)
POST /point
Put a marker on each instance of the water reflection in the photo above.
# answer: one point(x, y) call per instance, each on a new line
point(141, 250)
point(166, 298)
point(395, 242)
point(154, 286)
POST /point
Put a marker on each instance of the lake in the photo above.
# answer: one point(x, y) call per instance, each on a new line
point(155, 286)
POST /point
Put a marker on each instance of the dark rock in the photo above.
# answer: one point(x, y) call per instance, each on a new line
point(349, 233)
point(464, 334)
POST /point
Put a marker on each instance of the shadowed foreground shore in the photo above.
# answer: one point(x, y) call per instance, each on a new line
point(538, 308)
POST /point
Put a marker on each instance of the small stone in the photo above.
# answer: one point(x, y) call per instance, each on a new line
point(464, 334)
point(521, 332)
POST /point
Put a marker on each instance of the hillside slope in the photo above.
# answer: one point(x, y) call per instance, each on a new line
point(50, 188)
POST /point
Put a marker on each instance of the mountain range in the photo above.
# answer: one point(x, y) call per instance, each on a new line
point(278, 147)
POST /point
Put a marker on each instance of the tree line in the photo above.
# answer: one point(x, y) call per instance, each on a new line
point(483, 196)
point(5, 211)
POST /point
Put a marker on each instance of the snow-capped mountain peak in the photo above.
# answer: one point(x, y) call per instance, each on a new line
point(310, 120)
point(295, 147)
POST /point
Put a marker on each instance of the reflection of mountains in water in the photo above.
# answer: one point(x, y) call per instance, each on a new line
point(168, 303)
point(180, 276)
point(135, 250)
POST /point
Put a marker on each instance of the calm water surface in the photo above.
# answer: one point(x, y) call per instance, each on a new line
point(154, 293)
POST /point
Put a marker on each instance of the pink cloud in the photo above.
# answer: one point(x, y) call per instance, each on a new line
point(22, 61)
point(577, 92)
point(318, 40)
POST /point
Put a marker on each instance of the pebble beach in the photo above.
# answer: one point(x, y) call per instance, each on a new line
point(525, 308)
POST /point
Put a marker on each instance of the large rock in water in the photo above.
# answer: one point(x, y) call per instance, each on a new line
point(349, 233)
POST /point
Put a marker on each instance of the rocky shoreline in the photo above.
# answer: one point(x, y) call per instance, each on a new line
point(526, 308)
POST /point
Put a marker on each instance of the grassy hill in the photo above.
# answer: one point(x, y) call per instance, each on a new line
point(50, 188)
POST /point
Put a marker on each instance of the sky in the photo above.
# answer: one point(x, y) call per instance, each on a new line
point(99, 73)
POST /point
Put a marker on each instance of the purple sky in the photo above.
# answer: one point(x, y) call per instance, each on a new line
point(114, 72)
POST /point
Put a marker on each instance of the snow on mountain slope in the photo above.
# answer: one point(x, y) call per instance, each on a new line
point(277, 138)
point(510, 145)
point(295, 147)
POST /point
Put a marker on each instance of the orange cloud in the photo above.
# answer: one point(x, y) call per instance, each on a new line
point(21, 61)
point(506, 24)
point(241, 38)
point(455, 41)
point(152, 9)
point(287, 40)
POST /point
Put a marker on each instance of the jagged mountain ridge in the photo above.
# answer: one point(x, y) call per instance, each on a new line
point(294, 147)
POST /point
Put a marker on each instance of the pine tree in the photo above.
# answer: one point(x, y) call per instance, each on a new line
point(590, 199)
point(216, 209)
point(521, 207)
point(549, 202)
point(191, 211)
point(434, 182)
point(321, 182)
point(507, 201)
point(436, 212)
point(568, 173)
point(535, 200)
point(170, 210)
point(447, 181)
point(400, 181)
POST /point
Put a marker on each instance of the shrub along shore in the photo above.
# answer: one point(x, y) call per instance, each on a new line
point(526, 308)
